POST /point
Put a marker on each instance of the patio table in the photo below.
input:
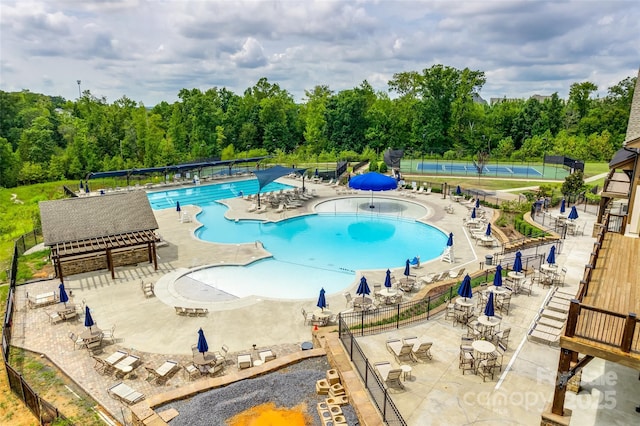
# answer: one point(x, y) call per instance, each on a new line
point(483, 348)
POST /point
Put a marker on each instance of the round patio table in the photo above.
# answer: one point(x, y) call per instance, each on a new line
point(204, 358)
point(90, 334)
point(483, 348)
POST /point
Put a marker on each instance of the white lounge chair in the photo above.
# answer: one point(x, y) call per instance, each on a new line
point(125, 394)
point(266, 355)
point(400, 350)
point(390, 376)
point(244, 361)
point(161, 374)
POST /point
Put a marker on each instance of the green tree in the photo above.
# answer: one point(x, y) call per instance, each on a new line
point(9, 164)
point(573, 184)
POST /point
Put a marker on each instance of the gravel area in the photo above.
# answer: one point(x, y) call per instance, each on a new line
point(287, 387)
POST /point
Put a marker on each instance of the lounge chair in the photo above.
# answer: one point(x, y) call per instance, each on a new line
point(125, 394)
point(101, 366)
point(401, 351)
point(244, 361)
point(420, 351)
point(54, 317)
point(390, 376)
point(127, 365)
point(115, 357)
point(161, 374)
point(266, 355)
point(252, 208)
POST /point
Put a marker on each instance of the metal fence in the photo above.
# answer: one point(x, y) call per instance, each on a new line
point(390, 413)
point(45, 412)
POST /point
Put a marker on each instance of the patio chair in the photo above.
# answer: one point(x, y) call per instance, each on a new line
point(161, 374)
point(502, 337)
point(389, 376)
point(466, 361)
point(124, 393)
point(202, 312)
point(308, 317)
point(53, 317)
point(503, 303)
point(401, 351)
point(109, 333)
point(244, 361)
point(191, 371)
point(499, 352)
point(214, 369)
point(101, 366)
point(347, 296)
point(221, 355)
point(486, 368)
point(266, 355)
point(77, 341)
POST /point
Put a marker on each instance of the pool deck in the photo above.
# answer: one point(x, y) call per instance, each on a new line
point(150, 328)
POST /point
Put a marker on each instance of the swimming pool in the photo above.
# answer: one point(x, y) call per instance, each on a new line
point(313, 251)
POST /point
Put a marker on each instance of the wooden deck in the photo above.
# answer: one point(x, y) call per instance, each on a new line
point(615, 281)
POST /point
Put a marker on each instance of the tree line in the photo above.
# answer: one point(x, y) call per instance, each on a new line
point(433, 113)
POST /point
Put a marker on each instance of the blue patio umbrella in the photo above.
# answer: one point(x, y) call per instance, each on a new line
point(488, 231)
point(517, 264)
point(203, 347)
point(81, 186)
point(63, 294)
point(178, 206)
point(551, 259)
point(450, 240)
point(86, 187)
point(88, 321)
point(573, 214)
point(363, 288)
point(563, 204)
point(373, 181)
point(322, 302)
point(489, 308)
point(407, 269)
point(316, 174)
point(473, 213)
point(477, 203)
point(458, 190)
point(497, 278)
point(387, 279)
point(464, 290)
point(415, 260)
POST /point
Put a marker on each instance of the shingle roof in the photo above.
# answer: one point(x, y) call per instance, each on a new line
point(633, 127)
point(84, 218)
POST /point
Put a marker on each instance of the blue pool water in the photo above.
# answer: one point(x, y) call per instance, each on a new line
point(309, 252)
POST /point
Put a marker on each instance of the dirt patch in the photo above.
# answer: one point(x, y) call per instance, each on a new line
point(12, 410)
point(511, 233)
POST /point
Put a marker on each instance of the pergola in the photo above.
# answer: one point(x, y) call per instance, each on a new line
point(95, 228)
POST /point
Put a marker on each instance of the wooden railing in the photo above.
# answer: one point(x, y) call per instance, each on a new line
point(600, 325)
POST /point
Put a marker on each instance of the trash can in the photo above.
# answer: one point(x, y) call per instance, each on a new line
point(488, 260)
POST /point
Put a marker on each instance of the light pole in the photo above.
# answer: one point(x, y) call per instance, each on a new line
point(79, 91)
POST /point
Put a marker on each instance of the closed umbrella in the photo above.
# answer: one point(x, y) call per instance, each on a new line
point(488, 231)
point(517, 264)
point(387, 280)
point(86, 188)
point(203, 347)
point(458, 190)
point(88, 321)
point(551, 259)
point(464, 290)
point(573, 214)
point(477, 203)
point(450, 240)
point(489, 308)
point(563, 204)
point(473, 213)
point(63, 295)
point(81, 186)
point(363, 288)
point(407, 269)
point(322, 302)
point(178, 206)
point(497, 278)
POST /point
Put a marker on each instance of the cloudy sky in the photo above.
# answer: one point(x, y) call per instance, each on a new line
point(150, 49)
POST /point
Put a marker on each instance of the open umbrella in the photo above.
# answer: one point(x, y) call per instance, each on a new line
point(465, 288)
point(322, 302)
point(573, 214)
point(415, 260)
point(477, 203)
point(551, 259)
point(497, 278)
point(63, 294)
point(473, 213)
point(88, 321)
point(373, 181)
point(407, 269)
point(363, 288)
point(203, 347)
point(517, 264)
point(387, 280)
point(489, 308)
point(450, 240)
point(563, 204)
point(458, 190)
point(488, 231)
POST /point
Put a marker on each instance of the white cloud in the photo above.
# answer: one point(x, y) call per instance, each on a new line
point(150, 49)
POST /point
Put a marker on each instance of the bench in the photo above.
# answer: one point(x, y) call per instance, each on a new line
point(43, 299)
point(147, 289)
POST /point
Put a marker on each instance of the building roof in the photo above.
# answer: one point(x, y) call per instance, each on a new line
point(633, 127)
point(86, 218)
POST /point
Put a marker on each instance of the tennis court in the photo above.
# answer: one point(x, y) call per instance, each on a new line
point(535, 171)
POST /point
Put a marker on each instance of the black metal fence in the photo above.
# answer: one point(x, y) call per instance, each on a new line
point(45, 412)
point(390, 413)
